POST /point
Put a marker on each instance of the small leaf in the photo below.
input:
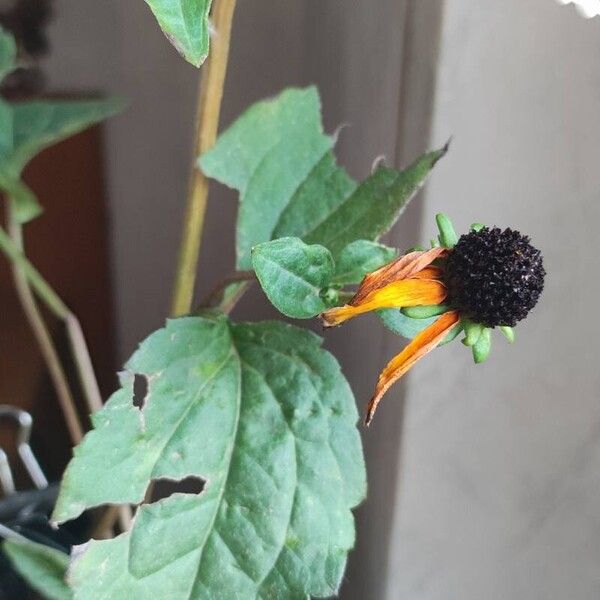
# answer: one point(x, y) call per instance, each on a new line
point(508, 333)
point(400, 324)
point(473, 332)
point(359, 258)
point(481, 349)
point(186, 25)
point(277, 156)
point(29, 127)
point(42, 567)
point(263, 415)
point(477, 226)
point(293, 274)
point(425, 312)
point(448, 237)
point(8, 53)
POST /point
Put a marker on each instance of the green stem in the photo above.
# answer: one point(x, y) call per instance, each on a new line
point(43, 338)
point(37, 282)
point(77, 341)
point(207, 117)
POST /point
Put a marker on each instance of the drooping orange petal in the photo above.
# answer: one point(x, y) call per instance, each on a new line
point(402, 268)
point(422, 344)
point(399, 294)
point(428, 273)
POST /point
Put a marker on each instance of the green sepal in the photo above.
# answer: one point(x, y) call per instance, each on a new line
point(473, 332)
point(448, 237)
point(508, 333)
point(481, 349)
point(330, 295)
point(425, 312)
point(452, 334)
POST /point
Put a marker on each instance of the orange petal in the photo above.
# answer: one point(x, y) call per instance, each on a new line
point(422, 344)
point(428, 273)
point(402, 268)
point(399, 294)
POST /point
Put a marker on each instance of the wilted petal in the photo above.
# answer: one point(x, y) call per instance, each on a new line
point(399, 294)
point(405, 267)
point(421, 345)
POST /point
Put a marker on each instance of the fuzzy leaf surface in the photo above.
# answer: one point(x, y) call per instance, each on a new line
point(359, 258)
point(277, 156)
point(292, 275)
point(42, 567)
point(186, 25)
point(8, 53)
point(27, 128)
point(263, 415)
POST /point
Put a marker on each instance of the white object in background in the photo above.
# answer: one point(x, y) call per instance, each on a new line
point(588, 8)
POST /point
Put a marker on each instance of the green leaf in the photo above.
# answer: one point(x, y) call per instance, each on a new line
point(42, 567)
point(293, 274)
point(359, 258)
point(8, 53)
point(400, 324)
point(374, 206)
point(277, 156)
point(482, 347)
point(29, 127)
point(263, 415)
point(186, 25)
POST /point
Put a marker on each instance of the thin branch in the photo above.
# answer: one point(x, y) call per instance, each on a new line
point(210, 95)
point(216, 294)
point(81, 355)
point(43, 338)
point(77, 341)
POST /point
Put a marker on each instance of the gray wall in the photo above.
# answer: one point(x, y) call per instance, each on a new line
point(497, 492)
point(500, 478)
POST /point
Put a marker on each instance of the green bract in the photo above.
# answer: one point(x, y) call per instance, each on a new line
point(263, 415)
point(42, 567)
point(277, 156)
point(185, 23)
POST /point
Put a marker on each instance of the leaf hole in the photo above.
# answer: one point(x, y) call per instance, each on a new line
point(164, 487)
point(140, 391)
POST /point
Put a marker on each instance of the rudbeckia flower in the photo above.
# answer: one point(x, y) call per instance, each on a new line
point(485, 279)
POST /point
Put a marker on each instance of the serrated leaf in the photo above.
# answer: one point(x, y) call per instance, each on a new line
point(29, 127)
point(359, 258)
point(293, 274)
point(186, 25)
point(372, 209)
point(267, 154)
point(277, 156)
point(264, 416)
point(8, 53)
point(42, 567)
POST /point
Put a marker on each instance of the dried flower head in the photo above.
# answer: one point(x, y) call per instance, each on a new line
point(485, 279)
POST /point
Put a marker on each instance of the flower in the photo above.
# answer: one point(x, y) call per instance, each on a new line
point(485, 279)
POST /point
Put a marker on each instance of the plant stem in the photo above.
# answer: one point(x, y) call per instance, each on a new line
point(30, 278)
point(43, 338)
point(216, 294)
point(210, 95)
point(79, 347)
